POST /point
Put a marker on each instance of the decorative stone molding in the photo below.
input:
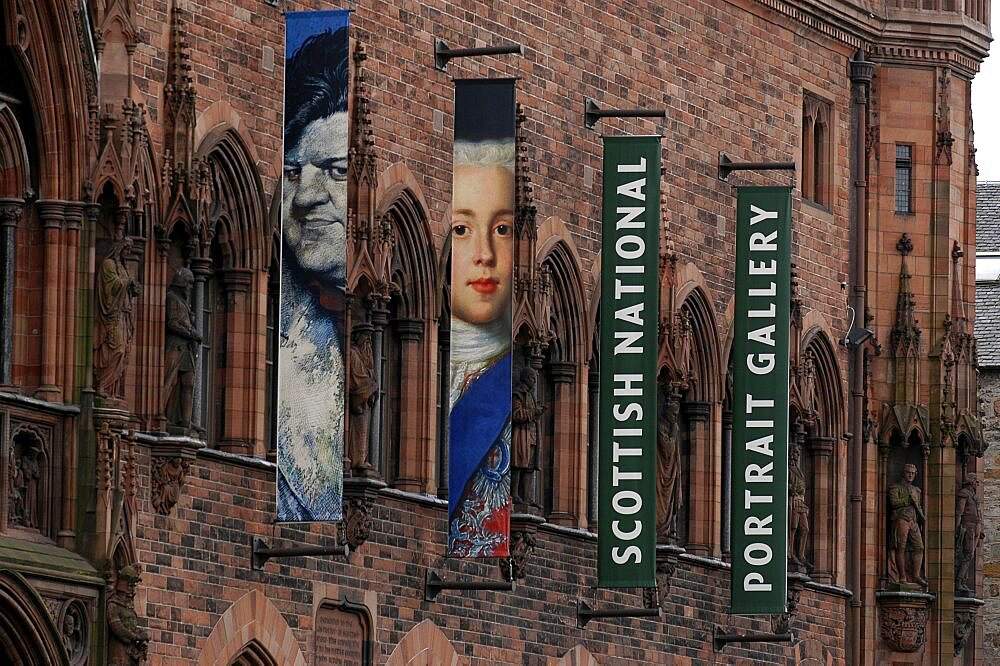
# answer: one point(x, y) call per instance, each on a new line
point(903, 619)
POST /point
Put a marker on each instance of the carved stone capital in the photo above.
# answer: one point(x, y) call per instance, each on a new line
point(903, 619)
point(10, 212)
point(359, 498)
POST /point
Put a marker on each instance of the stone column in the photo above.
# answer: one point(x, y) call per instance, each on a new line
point(200, 267)
point(594, 440)
point(74, 222)
point(822, 505)
point(379, 318)
point(52, 214)
point(727, 489)
point(563, 374)
point(10, 216)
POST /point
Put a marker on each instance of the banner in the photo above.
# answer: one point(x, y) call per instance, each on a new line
point(482, 264)
point(310, 428)
point(759, 478)
point(626, 545)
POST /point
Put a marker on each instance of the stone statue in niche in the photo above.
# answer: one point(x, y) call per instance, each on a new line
point(183, 341)
point(23, 496)
point(907, 554)
point(525, 412)
point(362, 395)
point(968, 534)
point(668, 474)
point(115, 321)
point(128, 643)
point(798, 510)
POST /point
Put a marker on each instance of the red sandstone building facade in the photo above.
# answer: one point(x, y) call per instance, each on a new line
point(140, 136)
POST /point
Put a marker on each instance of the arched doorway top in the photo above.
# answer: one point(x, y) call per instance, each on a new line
point(253, 618)
point(424, 645)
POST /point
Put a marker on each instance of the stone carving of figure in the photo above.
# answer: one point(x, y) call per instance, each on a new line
point(362, 394)
point(525, 412)
point(128, 640)
point(183, 340)
point(798, 510)
point(168, 474)
point(15, 515)
point(807, 382)
point(115, 321)
point(968, 533)
point(668, 473)
point(907, 514)
point(32, 474)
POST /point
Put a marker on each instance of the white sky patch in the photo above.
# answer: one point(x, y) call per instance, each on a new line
point(985, 102)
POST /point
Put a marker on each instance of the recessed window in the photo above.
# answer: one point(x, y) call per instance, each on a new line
point(904, 179)
point(817, 163)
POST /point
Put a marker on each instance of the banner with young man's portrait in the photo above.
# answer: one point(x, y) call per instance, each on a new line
point(482, 262)
point(311, 382)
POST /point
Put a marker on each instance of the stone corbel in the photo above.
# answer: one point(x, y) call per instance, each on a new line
point(171, 458)
point(782, 622)
point(359, 498)
point(523, 541)
point(903, 619)
point(666, 564)
point(966, 610)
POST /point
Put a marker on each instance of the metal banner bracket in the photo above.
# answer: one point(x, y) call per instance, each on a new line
point(584, 613)
point(261, 553)
point(591, 113)
point(442, 54)
point(433, 584)
point(726, 166)
point(720, 639)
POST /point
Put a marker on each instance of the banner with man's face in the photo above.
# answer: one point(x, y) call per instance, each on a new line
point(482, 263)
point(310, 427)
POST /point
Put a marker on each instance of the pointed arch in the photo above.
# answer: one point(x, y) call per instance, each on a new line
point(706, 366)
point(28, 634)
point(563, 382)
point(237, 197)
point(253, 622)
point(578, 656)
point(15, 169)
point(407, 415)
point(424, 645)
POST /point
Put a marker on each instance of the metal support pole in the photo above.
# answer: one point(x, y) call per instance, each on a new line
point(261, 553)
point(584, 613)
point(726, 166)
point(442, 54)
point(591, 113)
point(720, 639)
point(434, 584)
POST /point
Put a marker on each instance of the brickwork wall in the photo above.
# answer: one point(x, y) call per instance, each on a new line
point(196, 564)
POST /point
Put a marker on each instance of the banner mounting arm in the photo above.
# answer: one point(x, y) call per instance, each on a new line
point(726, 166)
point(260, 553)
point(433, 584)
point(584, 613)
point(592, 113)
point(442, 54)
point(720, 639)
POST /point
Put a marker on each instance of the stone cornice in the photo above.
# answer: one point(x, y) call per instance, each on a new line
point(902, 34)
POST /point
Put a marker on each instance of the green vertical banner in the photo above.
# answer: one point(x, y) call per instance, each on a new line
point(760, 400)
point(626, 542)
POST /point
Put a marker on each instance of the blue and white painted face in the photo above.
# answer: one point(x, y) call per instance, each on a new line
point(314, 197)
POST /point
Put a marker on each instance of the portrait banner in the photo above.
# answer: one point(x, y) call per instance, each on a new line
point(482, 264)
point(311, 381)
point(630, 255)
point(759, 471)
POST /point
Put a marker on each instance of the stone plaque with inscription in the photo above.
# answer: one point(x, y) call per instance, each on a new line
point(340, 638)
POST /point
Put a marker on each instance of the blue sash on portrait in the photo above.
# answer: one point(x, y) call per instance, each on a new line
point(477, 421)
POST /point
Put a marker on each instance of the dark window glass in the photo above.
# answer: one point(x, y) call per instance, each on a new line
point(904, 179)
